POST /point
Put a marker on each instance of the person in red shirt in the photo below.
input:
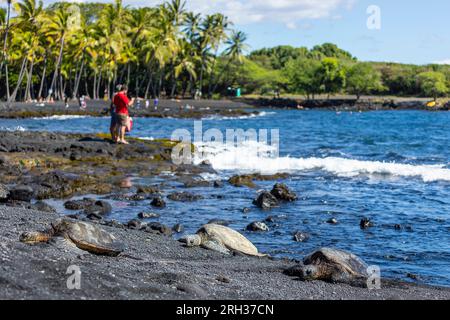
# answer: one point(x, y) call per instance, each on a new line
point(122, 103)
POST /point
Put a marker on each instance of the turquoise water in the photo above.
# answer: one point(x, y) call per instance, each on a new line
point(392, 167)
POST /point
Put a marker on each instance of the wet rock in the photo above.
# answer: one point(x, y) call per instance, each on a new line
point(301, 236)
point(282, 193)
point(148, 189)
point(365, 223)
point(79, 204)
point(219, 222)
point(184, 197)
point(100, 207)
point(242, 181)
point(413, 276)
point(94, 216)
point(192, 183)
point(21, 193)
point(4, 193)
point(158, 203)
point(332, 221)
point(218, 184)
point(114, 224)
point(136, 224)
point(44, 207)
point(159, 228)
point(266, 201)
point(75, 156)
point(148, 215)
point(178, 228)
point(257, 226)
point(246, 210)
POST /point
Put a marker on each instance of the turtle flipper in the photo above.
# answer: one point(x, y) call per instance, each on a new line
point(215, 246)
point(67, 246)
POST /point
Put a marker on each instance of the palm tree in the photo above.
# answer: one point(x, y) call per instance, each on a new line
point(5, 46)
point(236, 47)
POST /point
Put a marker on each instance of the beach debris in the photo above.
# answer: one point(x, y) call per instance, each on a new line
point(221, 239)
point(331, 265)
point(77, 236)
point(257, 226)
point(266, 201)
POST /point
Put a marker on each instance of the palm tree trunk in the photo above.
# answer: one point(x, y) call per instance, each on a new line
point(78, 79)
point(43, 77)
point(29, 81)
point(4, 62)
point(12, 98)
point(58, 62)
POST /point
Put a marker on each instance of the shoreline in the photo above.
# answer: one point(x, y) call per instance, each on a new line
point(54, 166)
point(232, 108)
point(166, 270)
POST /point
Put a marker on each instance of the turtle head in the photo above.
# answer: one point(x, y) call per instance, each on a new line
point(309, 272)
point(192, 240)
point(34, 237)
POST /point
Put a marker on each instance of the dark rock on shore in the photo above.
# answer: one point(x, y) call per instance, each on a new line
point(100, 207)
point(282, 193)
point(184, 197)
point(158, 202)
point(148, 189)
point(148, 215)
point(44, 207)
point(4, 193)
point(136, 224)
point(257, 226)
point(160, 228)
point(242, 181)
point(219, 222)
point(266, 201)
point(21, 193)
point(79, 204)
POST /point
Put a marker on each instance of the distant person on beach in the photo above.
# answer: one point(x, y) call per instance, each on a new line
point(156, 103)
point(114, 128)
point(122, 103)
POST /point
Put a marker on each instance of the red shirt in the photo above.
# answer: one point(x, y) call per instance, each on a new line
point(121, 102)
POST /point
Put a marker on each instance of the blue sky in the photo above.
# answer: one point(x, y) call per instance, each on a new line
point(411, 31)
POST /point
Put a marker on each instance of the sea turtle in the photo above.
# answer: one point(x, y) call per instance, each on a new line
point(77, 235)
point(331, 265)
point(222, 239)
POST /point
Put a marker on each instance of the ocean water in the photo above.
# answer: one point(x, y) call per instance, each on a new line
point(390, 166)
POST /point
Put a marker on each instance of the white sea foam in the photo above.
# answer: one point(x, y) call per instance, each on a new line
point(253, 157)
point(17, 128)
point(62, 117)
point(250, 116)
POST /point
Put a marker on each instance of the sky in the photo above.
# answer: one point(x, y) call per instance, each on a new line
point(400, 31)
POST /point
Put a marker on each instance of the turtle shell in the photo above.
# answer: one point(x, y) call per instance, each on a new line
point(88, 237)
point(339, 260)
point(229, 238)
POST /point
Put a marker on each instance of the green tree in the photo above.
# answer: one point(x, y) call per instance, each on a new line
point(332, 75)
point(433, 84)
point(303, 76)
point(362, 78)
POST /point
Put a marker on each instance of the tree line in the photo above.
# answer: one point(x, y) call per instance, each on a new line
point(70, 50)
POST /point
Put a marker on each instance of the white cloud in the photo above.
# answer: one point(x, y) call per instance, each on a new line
point(288, 12)
point(447, 61)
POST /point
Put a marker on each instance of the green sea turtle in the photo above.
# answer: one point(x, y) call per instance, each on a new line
point(331, 265)
point(75, 235)
point(222, 239)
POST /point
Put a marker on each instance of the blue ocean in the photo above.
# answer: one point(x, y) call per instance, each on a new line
point(392, 167)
